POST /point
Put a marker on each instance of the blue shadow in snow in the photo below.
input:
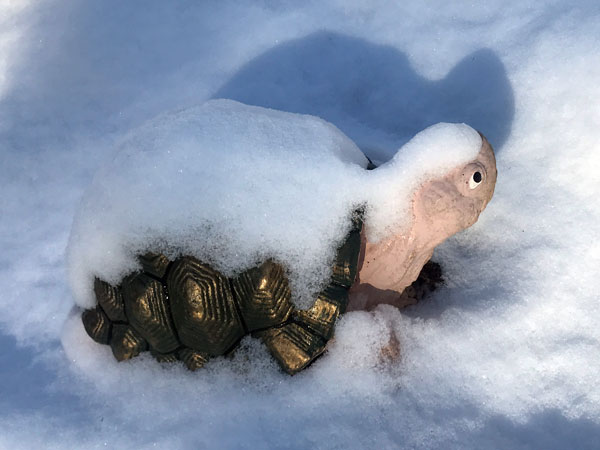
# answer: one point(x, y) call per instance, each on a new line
point(368, 90)
point(28, 386)
point(548, 429)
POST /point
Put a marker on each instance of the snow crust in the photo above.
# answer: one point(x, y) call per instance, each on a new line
point(234, 185)
point(505, 355)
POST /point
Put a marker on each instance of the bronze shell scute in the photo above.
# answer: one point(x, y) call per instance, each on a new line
point(203, 308)
point(126, 342)
point(263, 296)
point(148, 311)
point(156, 264)
point(320, 317)
point(110, 299)
point(96, 325)
point(345, 266)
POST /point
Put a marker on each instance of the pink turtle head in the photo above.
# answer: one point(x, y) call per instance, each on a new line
point(441, 207)
point(445, 206)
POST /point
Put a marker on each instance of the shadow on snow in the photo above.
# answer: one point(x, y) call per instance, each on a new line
point(372, 93)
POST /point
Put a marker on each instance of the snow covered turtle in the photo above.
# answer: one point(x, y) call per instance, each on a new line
point(183, 308)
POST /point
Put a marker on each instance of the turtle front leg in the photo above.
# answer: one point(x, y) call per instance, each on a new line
point(428, 281)
point(294, 347)
point(298, 343)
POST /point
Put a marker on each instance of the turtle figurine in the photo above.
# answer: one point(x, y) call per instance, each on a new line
point(185, 310)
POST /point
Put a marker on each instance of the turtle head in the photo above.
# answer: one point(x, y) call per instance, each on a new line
point(441, 207)
point(447, 205)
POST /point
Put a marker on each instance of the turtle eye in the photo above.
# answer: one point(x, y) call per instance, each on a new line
point(475, 179)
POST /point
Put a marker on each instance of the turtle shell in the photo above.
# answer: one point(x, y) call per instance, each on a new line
point(185, 310)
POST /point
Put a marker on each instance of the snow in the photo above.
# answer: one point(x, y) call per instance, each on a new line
point(234, 185)
point(506, 355)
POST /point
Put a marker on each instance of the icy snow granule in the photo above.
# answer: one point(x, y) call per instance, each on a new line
point(233, 185)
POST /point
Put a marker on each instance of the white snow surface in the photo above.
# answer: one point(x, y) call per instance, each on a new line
point(505, 355)
point(234, 185)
